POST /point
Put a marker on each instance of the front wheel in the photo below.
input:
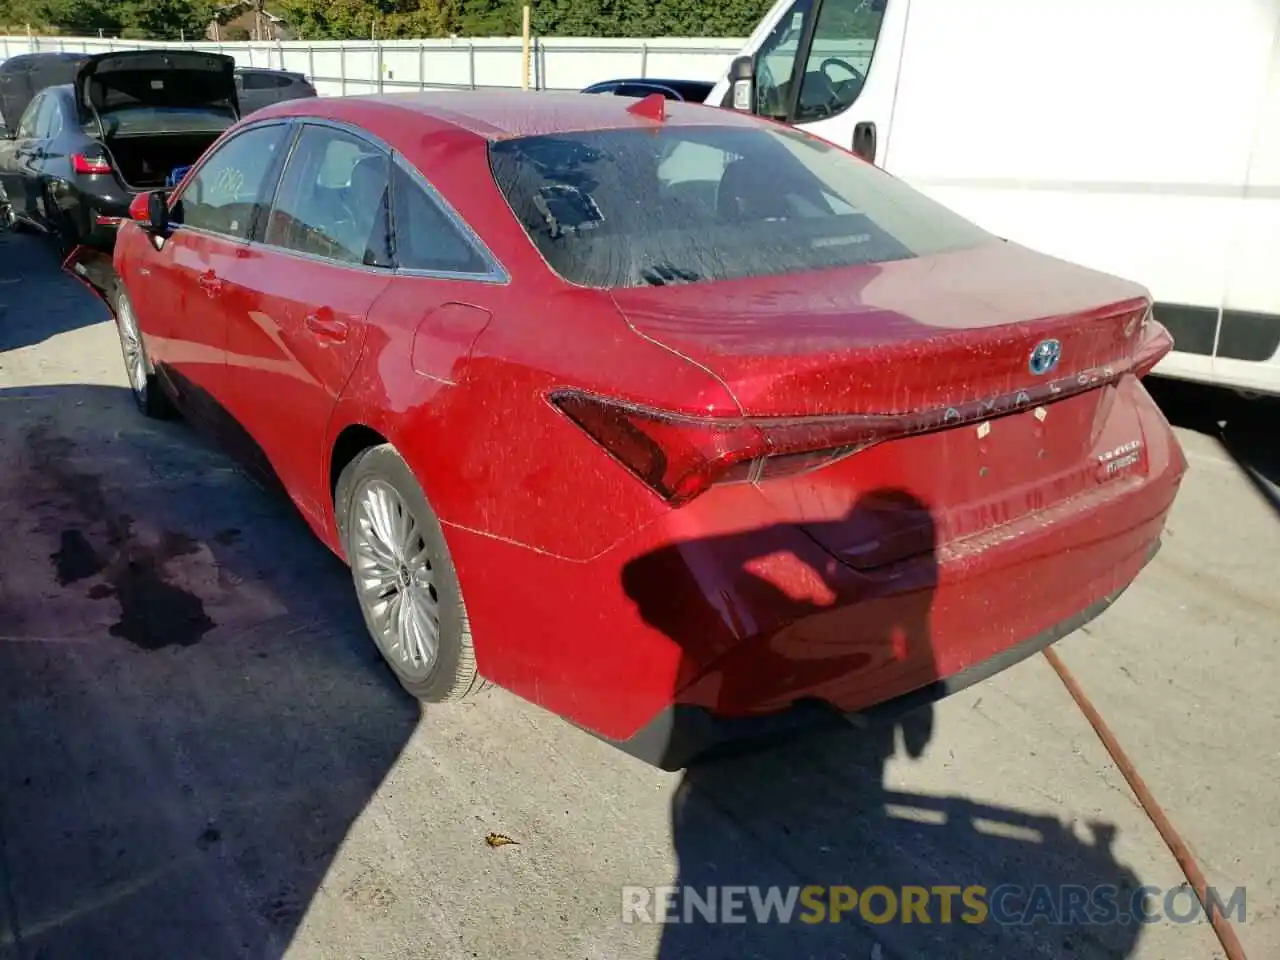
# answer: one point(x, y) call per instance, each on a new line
point(137, 365)
point(405, 581)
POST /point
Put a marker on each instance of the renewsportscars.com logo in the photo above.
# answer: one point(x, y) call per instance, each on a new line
point(1007, 904)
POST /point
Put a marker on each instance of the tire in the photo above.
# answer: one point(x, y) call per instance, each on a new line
point(61, 226)
point(66, 235)
point(147, 394)
point(379, 480)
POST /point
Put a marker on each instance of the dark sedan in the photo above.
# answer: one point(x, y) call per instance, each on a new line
point(127, 122)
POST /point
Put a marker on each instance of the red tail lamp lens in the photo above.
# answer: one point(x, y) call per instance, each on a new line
point(81, 163)
point(1154, 346)
point(680, 456)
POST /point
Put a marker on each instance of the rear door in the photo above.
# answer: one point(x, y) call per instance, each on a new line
point(16, 164)
point(43, 165)
point(323, 260)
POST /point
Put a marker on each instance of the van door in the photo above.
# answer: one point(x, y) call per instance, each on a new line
point(830, 67)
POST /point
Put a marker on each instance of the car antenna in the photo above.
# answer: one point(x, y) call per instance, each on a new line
point(652, 107)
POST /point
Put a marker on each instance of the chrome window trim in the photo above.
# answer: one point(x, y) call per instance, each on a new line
point(496, 272)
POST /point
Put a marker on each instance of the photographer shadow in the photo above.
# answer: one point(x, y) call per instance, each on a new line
point(810, 807)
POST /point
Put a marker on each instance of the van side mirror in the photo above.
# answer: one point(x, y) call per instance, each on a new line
point(742, 82)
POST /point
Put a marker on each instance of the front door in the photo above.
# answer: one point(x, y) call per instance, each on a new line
point(189, 297)
point(308, 286)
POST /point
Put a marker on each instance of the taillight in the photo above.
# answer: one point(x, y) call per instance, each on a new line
point(680, 457)
point(81, 163)
point(1154, 344)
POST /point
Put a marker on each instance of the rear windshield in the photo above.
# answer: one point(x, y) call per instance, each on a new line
point(625, 208)
point(139, 120)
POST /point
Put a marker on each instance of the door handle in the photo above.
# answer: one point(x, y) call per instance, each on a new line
point(864, 141)
point(324, 324)
point(210, 283)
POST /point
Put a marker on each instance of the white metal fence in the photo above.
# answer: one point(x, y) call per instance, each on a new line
point(365, 66)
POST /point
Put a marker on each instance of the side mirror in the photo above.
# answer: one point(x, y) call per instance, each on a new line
point(158, 212)
point(151, 212)
point(742, 81)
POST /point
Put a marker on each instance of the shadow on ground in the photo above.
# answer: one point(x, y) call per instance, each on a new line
point(1245, 428)
point(816, 811)
point(194, 716)
point(32, 308)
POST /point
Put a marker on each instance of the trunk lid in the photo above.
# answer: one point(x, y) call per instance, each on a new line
point(172, 79)
point(1001, 426)
point(894, 338)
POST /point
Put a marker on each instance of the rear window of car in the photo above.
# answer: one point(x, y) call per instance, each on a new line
point(626, 208)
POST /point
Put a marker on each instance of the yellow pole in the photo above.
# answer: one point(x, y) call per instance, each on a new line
point(524, 33)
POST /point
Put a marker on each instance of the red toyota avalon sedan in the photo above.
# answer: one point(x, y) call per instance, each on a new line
point(681, 424)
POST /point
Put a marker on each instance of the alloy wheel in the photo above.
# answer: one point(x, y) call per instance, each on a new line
point(394, 578)
point(135, 359)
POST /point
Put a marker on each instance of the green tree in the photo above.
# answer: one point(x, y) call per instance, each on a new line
point(84, 17)
point(352, 19)
point(349, 19)
point(357, 19)
point(164, 19)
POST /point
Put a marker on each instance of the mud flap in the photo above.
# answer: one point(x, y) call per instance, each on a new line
point(95, 269)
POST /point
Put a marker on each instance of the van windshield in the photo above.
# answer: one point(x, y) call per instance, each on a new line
point(686, 204)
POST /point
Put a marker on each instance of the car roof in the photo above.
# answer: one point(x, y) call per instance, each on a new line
point(504, 114)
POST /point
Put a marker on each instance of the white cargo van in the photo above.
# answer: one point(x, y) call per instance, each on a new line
point(1139, 137)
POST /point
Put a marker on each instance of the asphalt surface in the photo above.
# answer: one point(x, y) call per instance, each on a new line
point(201, 755)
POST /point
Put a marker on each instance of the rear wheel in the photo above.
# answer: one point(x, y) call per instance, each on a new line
point(64, 226)
point(405, 581)
point(137, 365)
point(66, 235)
